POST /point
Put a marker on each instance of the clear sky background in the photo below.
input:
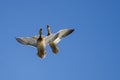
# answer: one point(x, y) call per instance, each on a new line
point(91, 52)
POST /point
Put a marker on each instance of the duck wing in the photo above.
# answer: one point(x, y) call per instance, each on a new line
point(32, 41)
point(62, 34)
point(65, 32)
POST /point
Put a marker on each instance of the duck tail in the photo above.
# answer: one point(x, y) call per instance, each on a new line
point(41, 54)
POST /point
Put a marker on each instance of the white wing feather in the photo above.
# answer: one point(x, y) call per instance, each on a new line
point(32, 41)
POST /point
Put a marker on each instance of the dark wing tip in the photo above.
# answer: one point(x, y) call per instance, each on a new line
point(22, 41)
point(69, 31)
point(19, 40)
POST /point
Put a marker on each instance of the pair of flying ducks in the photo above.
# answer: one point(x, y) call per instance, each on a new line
point(41, 41)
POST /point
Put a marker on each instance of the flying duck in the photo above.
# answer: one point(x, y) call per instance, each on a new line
point(62, 33)
point(41, 45)
point(53, 44)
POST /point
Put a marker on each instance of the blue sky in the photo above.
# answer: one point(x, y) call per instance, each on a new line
point(91, 52)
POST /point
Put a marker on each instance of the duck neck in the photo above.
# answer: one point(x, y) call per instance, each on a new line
point(40, 33)
point(49, 33)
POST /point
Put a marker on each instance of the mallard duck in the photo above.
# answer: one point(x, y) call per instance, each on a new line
point(41, 45)
point(62, 33)
point(53, 45)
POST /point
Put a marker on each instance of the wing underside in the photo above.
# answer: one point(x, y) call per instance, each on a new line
point(32, 41)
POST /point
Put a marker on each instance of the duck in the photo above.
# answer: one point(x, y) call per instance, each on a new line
point(53, 44)
point(62, 34)
point(41, 45)
point(40, 41)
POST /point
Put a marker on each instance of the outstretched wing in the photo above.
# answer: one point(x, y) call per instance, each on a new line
point(32, 41)
point(63, 33)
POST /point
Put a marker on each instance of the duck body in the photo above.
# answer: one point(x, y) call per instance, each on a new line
point(41, 47)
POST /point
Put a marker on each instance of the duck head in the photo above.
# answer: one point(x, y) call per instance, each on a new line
point(40, 32)
point(48, 29)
